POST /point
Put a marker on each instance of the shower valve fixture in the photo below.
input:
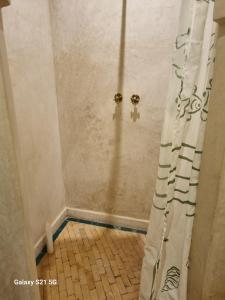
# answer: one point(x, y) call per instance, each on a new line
point(135, 99)
point(118, 98)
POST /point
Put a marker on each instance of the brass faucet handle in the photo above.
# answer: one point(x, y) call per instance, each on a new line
point(135, 99)
point(118, 98)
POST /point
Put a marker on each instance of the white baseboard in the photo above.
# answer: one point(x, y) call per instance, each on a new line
point(91, 216)
point(97, 216)
point(54, 226)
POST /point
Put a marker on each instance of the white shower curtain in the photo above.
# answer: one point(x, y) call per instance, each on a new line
point(165, 265)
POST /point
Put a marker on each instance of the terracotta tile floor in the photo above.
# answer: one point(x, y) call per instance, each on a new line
point(92, 262)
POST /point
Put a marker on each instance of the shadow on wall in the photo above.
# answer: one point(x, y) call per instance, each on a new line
point(115, 167)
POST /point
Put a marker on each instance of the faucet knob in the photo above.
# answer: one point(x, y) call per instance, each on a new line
point(135, 99)
point(118, 98)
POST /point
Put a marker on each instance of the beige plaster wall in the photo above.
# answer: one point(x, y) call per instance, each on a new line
point(219, 11)
point(110, 165)
point(16, 255)
point(29, 47)
point(204, 231)
point(214, 287)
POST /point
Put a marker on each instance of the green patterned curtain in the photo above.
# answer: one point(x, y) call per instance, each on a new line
point(165, 265)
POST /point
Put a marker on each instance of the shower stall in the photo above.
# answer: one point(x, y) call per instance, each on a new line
point(83, 91)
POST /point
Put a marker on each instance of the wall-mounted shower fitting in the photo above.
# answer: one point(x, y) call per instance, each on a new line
point(118, 98)
point(135, 99)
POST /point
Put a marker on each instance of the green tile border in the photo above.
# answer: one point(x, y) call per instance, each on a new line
point(78, 220)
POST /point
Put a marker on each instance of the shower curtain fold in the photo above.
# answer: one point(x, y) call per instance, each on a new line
point(165, 265)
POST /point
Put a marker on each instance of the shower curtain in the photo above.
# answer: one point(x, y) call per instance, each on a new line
point(166, 261)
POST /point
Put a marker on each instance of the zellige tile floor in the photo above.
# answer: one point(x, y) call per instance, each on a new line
point(92, 262)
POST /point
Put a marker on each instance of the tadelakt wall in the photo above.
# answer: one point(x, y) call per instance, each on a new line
point(16, 256)
point(110, 164)
point(29, 48)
